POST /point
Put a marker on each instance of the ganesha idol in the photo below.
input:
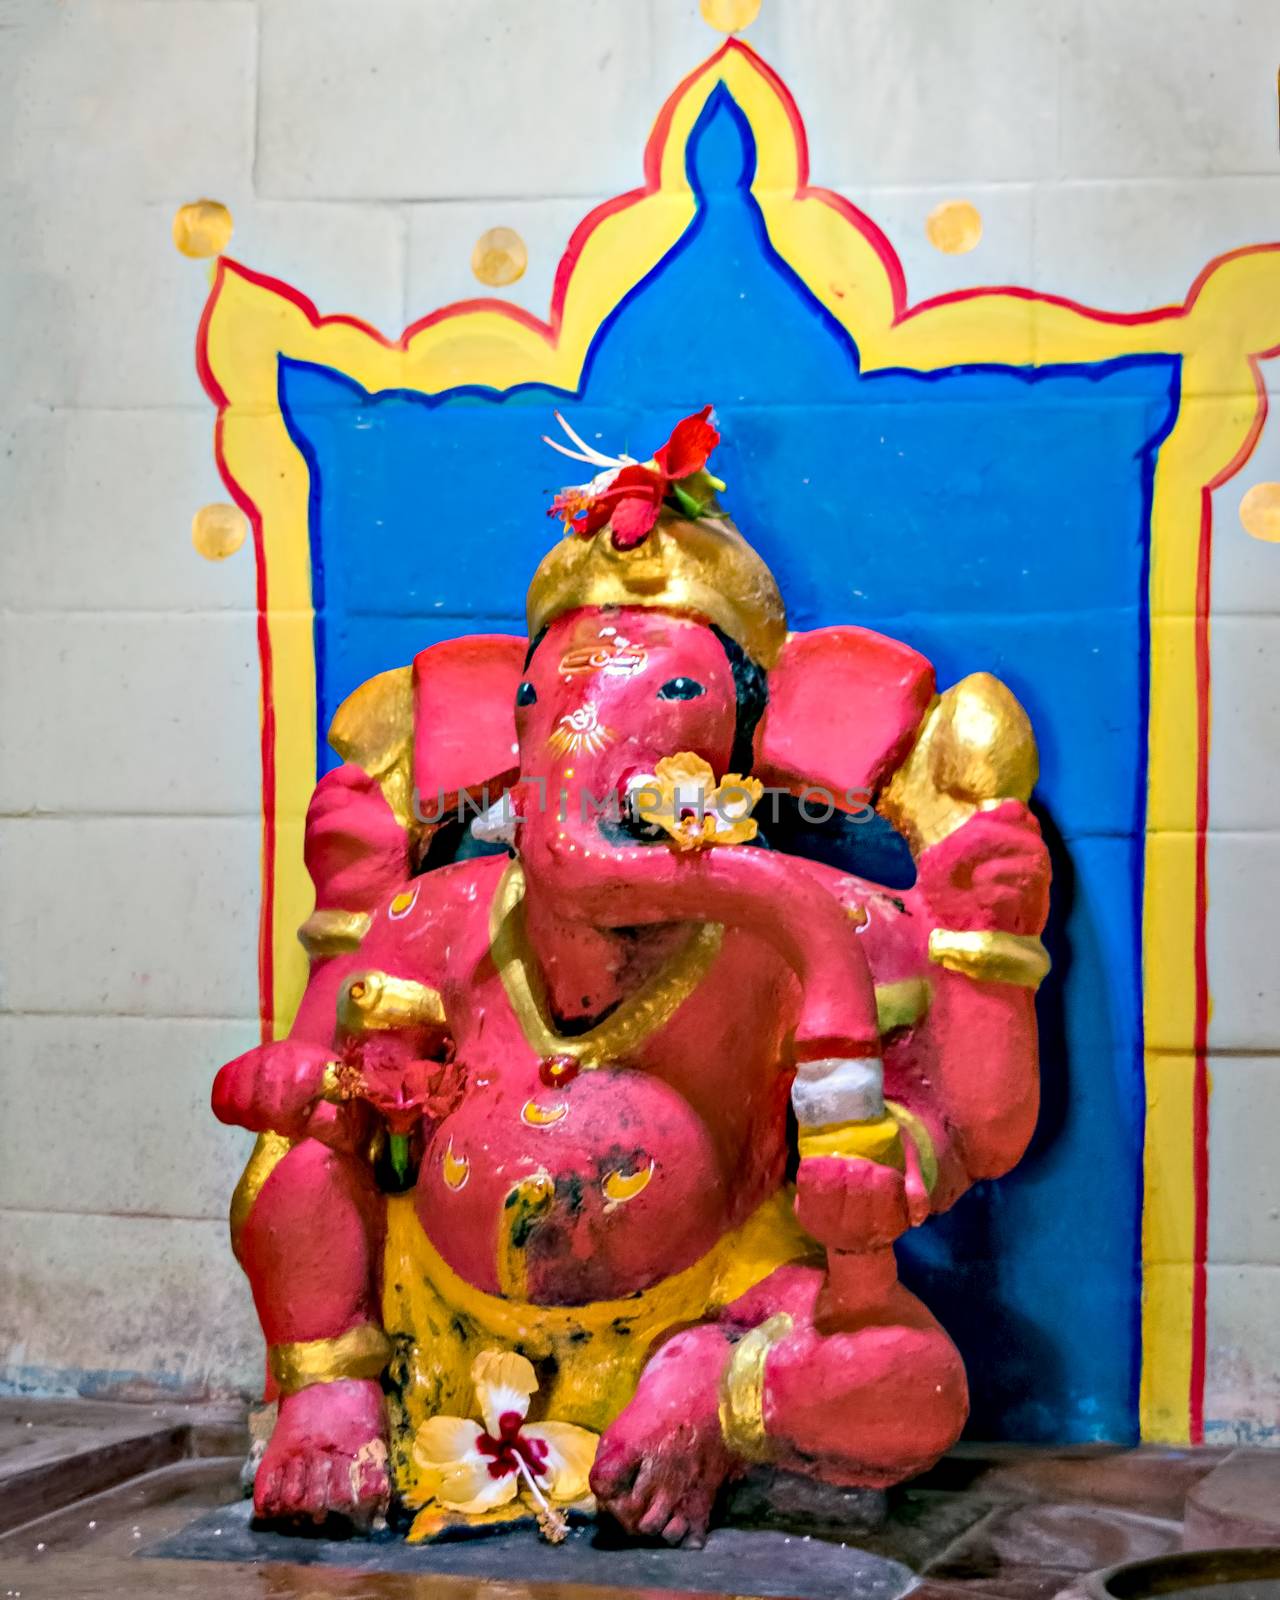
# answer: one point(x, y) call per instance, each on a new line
point(580, 1171)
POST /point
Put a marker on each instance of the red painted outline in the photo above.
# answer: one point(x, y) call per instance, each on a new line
point(1200, 1037)
point(890, 263)
point(266, 921)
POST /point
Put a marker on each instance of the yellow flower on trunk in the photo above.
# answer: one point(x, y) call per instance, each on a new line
point(476, 1468)
point(684, 799)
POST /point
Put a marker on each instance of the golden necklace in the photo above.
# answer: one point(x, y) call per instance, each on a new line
point(652, 1005)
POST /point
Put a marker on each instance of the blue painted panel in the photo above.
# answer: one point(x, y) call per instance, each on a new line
point(994, 518)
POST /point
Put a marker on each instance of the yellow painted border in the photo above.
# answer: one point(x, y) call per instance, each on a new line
point(1229, 321)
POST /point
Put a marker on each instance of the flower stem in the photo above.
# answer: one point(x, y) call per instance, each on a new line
point(551, 1523)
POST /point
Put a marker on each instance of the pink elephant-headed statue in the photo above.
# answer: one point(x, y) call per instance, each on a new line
point(580, 1170)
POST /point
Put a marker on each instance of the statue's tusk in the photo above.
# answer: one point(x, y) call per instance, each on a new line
point(497, 825)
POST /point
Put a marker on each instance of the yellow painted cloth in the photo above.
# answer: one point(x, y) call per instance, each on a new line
point(588, 1358)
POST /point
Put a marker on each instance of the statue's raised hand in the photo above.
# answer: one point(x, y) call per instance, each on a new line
point(404, 1087)
point(356, 850)
point(992, 873)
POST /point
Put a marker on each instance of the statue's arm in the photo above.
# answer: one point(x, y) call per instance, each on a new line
point(359, 846)
point(982, 895)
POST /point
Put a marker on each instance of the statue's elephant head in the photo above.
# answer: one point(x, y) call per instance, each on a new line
point(571, 722)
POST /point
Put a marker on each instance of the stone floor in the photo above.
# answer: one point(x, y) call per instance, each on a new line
point(92, 1496)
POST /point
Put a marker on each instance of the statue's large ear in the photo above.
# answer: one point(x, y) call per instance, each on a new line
point(464, 722)
point(844, 708)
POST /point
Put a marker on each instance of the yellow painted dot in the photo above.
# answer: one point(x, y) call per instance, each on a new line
point(730, 16)
point(622, 1186)
point(218, 530)
point(499, 257)
point(1260, 512)
point(202, 228)
point(954, 227)
point(535, 1116)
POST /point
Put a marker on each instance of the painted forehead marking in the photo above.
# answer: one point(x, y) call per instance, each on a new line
point(611, 654)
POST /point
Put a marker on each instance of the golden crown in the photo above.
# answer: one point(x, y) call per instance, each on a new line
point(702, 568)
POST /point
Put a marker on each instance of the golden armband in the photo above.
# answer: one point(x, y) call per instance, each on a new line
point(332, 932)
point(1016, 958)
point(880, 1140)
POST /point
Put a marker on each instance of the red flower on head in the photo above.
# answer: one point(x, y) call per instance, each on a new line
point(630, 499)
point(631, 503)
point(689, 447)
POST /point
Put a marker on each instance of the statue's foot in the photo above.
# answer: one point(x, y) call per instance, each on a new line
point(327, 1456)
point(660, 1465)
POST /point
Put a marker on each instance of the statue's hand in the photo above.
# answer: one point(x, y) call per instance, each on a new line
point(851, 1203)
point(992, 873)
point(272, 1088)
point(356, 851)
point(404, 1088)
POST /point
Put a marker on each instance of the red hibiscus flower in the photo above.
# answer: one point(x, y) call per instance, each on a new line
point(689, 448)
point(630, 497)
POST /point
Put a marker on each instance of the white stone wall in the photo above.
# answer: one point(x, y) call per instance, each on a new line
point(1112, 147)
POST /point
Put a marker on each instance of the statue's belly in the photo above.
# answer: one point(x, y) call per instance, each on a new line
point(565, 1196)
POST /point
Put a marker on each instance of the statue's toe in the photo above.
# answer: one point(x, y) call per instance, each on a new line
point(270, 1495)
point(370, 1481)
point(658, 1513)
point(679, 1531)
point(319, 1494)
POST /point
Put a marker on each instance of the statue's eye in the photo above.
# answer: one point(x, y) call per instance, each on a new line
point(681, 689)
point(526, 694)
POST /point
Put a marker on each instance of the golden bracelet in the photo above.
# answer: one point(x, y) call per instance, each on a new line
point(361, 1352)
point(372, 1001)
point(742, 1389)
point(1016, 958)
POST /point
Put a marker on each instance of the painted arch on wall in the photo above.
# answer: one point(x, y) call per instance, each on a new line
point(1008, 481)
